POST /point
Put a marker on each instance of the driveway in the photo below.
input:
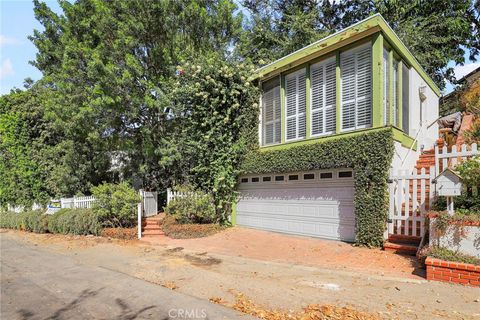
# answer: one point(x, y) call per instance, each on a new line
point(271, 246)
point(37, 284)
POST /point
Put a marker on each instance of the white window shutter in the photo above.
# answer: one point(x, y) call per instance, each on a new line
point(347, 67)
point(271, 132)
point(356, 74)
point(295, 102)
point(364, 87)
point(323, 93)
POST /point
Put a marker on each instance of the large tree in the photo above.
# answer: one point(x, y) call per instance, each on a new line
point(436, 31)
point(111, 61)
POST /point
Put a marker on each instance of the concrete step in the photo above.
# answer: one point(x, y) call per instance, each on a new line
point(152, 227)
point(153, 233)
point(400, 248)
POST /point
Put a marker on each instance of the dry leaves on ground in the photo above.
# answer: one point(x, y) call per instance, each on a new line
point(312, 312)
point(170, 285)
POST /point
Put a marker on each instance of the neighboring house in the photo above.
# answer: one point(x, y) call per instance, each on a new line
point(358, 80)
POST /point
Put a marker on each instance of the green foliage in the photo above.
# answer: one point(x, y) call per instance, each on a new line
point(436, 31)
point(216, 113)
point(116, 204)
point(193, 207)
point(369, 154)
point(469, 170)
point(449, 255)
point(33, 221)
point(75, 221)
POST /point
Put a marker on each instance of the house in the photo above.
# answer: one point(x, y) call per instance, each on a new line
point(358, 81)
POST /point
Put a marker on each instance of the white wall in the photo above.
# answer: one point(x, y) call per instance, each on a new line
point(465, 239)
point(422, 114)
point(401, 153)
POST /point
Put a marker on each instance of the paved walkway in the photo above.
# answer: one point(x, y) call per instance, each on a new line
point(270, 246)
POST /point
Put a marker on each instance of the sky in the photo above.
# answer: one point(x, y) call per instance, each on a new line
point(17, 22)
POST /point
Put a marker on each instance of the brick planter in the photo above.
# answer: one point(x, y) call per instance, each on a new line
point(453, 272)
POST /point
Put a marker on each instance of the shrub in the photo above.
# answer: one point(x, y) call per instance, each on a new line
point(116, 204)
point(33, 221)
point(449, 255)
point(75, 221)
point(194, 206)
point(120, 233)
point(175, 230)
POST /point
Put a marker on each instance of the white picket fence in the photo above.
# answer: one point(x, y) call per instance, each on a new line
point(411, 194)
point(173, 194)
point(78, 202)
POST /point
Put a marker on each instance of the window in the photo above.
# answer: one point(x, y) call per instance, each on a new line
point(295, 104)
point(326, 175)
point(279, 178)
point(356, 76)
point(271, 114)
point(405, 98)
point(293, 177)
point(396, 106)
point(323, 97)
point(244, 180)
point(267, 179)
point(386, 91)
point(345, 174)
point(256, 179)
point(308, 176)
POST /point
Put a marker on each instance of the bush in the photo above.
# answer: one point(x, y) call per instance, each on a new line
point(173, 229)
point(193, 207)
point(75, 221)
point(116, 204)
point(33, 221)
point(449, 255)
point(120, 233)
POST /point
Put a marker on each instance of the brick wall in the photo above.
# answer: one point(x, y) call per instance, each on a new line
point(453, 272)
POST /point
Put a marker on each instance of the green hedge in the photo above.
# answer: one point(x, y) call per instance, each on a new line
point(33, 221)
point(369, 154)
point(75, 221)
point(66, 221)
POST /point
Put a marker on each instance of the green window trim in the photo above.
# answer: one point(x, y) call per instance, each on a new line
point(398, 135)
point(377, 80)
point(399, 95)
point(390, 86)
point(338, 92)
point(282, 104)
point(308, 103)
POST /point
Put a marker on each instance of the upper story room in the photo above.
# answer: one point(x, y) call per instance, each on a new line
point(359, 78)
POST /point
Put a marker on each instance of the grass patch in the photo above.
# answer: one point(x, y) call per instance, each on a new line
point(449, 255)
point(120, 233)
point(176, 230)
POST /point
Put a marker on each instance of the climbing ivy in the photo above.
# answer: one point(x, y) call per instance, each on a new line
point(369, 154)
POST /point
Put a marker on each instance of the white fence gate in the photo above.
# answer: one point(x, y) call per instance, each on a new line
point(412, 194)
point(149, 203)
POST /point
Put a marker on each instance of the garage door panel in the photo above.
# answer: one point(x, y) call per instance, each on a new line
point(321, 210)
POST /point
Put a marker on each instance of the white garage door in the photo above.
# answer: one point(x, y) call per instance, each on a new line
point(314, 203)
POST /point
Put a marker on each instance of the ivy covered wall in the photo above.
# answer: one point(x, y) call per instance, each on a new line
point(369, 154)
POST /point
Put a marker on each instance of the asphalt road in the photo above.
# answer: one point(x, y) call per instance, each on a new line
point(38, 284)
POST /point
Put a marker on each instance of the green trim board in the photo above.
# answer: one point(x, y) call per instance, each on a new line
point(233, 216)
point(400, 95)
point(367, 27)
point(377, 80)
point(398, 135)
point(390, 87)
